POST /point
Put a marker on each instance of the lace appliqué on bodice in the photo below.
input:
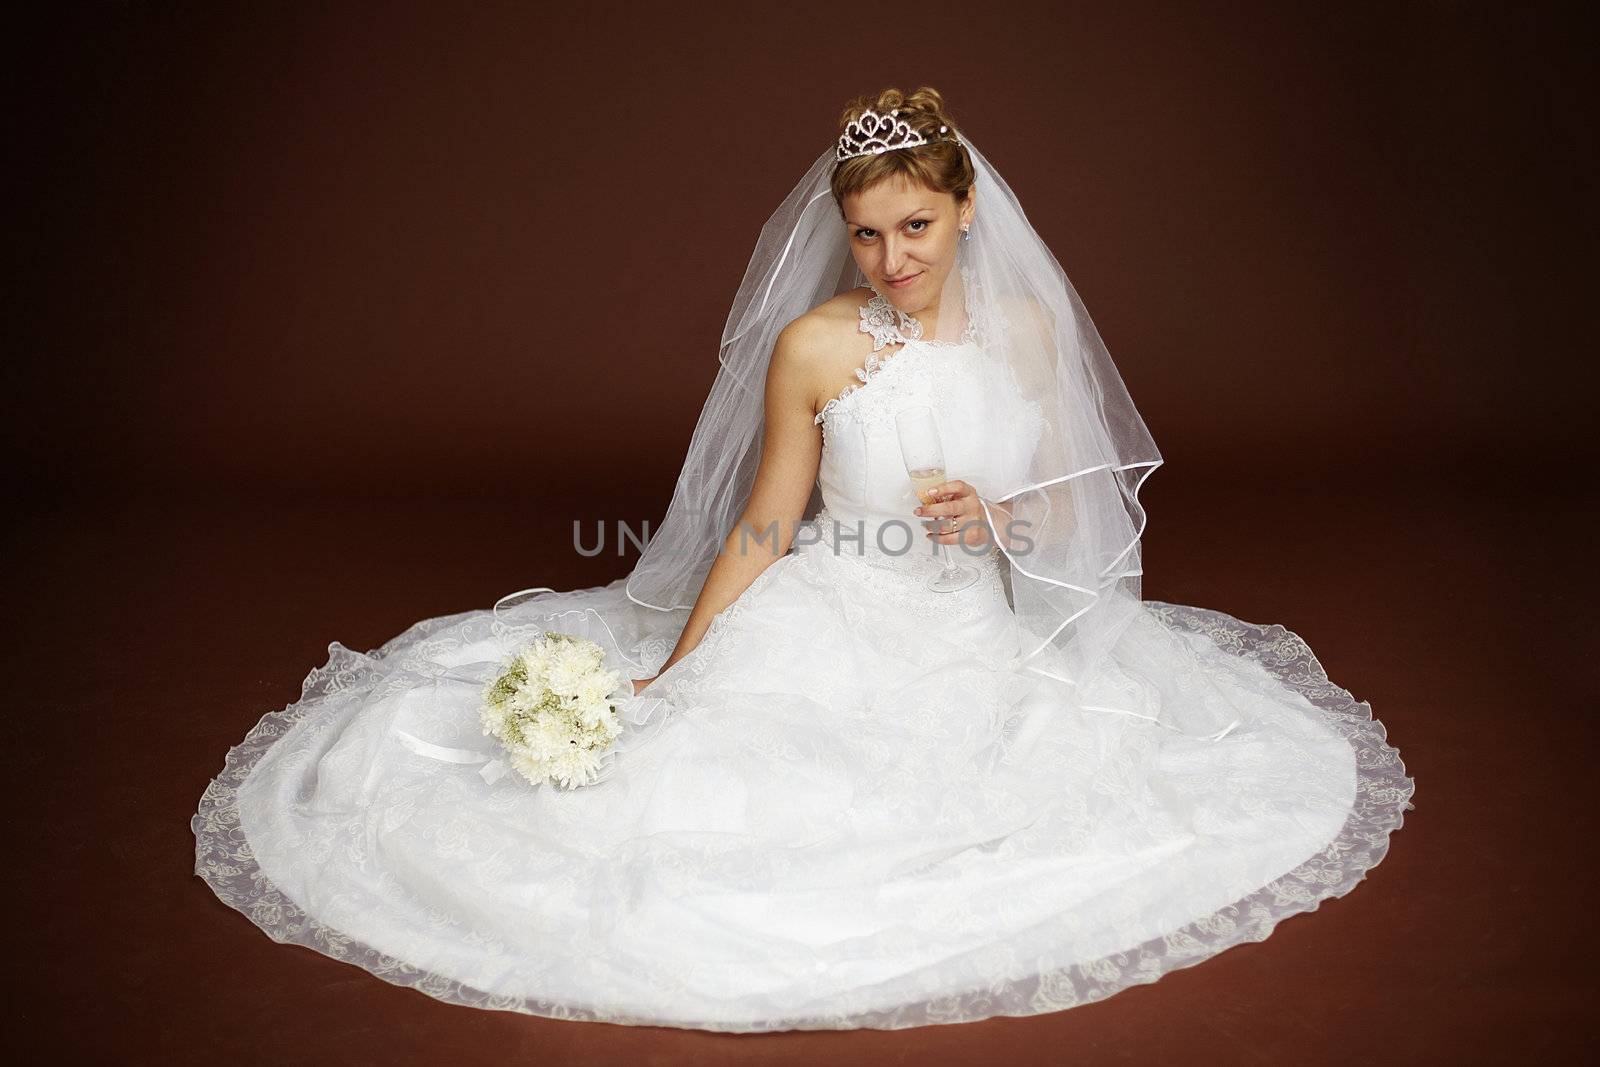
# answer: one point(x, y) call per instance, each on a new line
point(878, 319)
point(888, 325)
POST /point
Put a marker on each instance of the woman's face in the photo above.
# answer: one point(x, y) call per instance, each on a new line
point(901, 230)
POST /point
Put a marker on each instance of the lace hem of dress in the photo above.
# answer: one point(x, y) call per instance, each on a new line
point(223, 859)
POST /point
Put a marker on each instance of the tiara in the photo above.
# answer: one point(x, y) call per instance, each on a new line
point(873, 133)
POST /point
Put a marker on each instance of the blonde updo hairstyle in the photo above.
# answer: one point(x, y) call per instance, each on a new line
point(941, 164)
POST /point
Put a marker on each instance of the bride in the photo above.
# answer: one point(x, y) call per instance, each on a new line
point(889, 759)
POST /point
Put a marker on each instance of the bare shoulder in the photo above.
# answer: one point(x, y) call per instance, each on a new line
point(820, 348)
point(829, 326)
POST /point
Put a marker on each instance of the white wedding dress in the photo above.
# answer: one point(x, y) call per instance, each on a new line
point(849, 809)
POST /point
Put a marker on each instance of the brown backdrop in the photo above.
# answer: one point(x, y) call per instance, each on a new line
point(273, 387)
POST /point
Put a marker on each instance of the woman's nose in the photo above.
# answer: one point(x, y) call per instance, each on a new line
point(893, 257)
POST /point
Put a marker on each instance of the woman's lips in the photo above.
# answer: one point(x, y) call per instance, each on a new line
point(905, 282)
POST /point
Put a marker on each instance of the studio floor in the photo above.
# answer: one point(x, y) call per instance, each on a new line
point(152, 633)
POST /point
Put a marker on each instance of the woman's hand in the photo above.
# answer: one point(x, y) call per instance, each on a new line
point(640, 683)
point(958, 503)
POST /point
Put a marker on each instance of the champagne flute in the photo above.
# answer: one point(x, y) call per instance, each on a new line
point(923, 454)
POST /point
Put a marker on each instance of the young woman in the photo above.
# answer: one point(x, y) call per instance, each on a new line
point(889, 760)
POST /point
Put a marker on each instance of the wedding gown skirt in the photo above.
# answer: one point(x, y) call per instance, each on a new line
point(846, 808)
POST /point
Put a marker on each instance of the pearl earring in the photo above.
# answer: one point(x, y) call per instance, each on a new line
point(966, 234)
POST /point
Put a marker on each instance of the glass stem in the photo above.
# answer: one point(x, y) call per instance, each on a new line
point(944, 554)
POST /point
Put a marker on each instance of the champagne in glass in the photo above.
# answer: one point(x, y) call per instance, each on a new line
point(924, 480)
point(923, 454)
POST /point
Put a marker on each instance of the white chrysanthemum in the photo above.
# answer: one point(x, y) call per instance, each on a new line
point(597, 687)
point(566, 676)
point(575, 767)
point(584, 716)
point(542, 737)
point(528, 696)
point(543, 653)
point(592, 654)
point(580, 652)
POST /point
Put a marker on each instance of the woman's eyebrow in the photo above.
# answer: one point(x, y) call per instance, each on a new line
point(902, 222)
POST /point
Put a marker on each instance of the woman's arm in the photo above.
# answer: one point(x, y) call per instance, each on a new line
point(790, 453)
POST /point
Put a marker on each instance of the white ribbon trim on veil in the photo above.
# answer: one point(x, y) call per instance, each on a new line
point(989, 518)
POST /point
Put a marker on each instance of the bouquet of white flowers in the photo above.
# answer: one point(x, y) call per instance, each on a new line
point(554, 708)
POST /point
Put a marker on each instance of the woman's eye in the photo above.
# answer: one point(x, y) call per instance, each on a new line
point(924, 223)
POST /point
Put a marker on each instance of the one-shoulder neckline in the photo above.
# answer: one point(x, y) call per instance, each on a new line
point(875, 365)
